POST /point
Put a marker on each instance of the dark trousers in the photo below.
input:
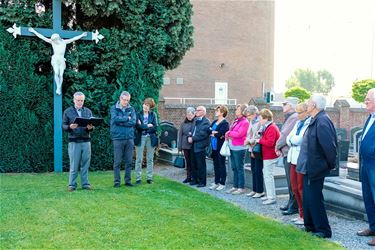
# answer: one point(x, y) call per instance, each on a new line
point(219, 167)
point(368, 191)
point(199, 167)
point(257, 173)
point(122, 151)
point(315, 215)
point(188, 160)
point(292, 203)
point(296, 181)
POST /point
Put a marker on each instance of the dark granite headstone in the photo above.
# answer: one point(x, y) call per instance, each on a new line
point(168, 134)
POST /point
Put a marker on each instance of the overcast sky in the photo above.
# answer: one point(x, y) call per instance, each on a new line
point(337, 35)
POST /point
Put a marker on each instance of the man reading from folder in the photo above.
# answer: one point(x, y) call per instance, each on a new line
point(79, 147)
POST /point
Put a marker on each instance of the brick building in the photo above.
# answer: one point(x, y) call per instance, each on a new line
point(233, 53)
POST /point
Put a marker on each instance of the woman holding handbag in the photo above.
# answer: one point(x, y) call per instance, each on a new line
point(219, 127)
point(182, 142)
point(236, 136)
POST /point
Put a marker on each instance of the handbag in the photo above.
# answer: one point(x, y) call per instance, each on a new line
point(257, 150)
point(225, 150)
point(179, 162)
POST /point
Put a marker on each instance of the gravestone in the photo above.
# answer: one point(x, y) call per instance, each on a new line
point(356, 140)
point(168, 134)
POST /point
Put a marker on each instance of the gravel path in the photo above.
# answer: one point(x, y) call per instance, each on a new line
point(343, 229)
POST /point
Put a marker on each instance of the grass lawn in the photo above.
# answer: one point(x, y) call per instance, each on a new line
point(38, 212)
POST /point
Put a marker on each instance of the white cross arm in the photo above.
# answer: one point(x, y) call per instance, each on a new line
point(14, 30)
point(96, 36)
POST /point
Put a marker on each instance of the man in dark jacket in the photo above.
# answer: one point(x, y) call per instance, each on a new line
point(200, 139)
point(79, 147)
point(123, 119)
point(367, 161)
point(317, 157)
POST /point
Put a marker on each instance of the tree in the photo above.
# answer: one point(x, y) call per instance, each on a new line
point(321, 81)
point(360, 89)
point(143, 38)
point(301, 93)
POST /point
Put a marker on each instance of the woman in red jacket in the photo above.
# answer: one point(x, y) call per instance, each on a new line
point(270, 134)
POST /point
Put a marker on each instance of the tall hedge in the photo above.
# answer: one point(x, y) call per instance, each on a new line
point(143, 38)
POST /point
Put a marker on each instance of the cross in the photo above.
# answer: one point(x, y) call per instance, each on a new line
point(57, 29)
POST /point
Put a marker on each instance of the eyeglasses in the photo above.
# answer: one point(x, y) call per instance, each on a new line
point(301, 112)
point(199, 110)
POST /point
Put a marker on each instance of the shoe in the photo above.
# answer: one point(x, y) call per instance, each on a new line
point(371, 242)
point(229, 191)
point(294, 219)
point(238, 191)
point(117, 185)
point(252, 193)
point(129, 184)
point(149, 181)
point(289, 212)
point(186, 180)
point(213, 186)
point(284, 208)
point(299, 222)
point(258, 195)
point(264, 198)
point(71, 189)
point(269, 202)
point(201, 185)
point(366, 232)
point(89, 188)
point(192, 183)
point(220, 187)
point(321, 235)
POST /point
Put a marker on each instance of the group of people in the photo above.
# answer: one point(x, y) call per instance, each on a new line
point(128, 129)
point(306, 142)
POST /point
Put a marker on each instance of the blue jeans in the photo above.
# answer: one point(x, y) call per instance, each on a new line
point(145, 142)
point(237, 158)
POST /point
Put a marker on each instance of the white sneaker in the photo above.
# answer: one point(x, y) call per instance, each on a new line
point(269, 202)
point(239, 191)
point(220, 187)
point(258, 195)
point(231, 190)
point(251, 194)
point(299, 222)
point(294, 219)
point(264, 198)
point(213, 186)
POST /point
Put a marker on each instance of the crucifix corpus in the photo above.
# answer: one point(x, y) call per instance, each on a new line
point(59, 38)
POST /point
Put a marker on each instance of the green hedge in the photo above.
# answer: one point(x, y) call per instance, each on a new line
point(142, 40)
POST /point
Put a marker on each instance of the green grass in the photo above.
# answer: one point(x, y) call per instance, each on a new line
point(38, 212)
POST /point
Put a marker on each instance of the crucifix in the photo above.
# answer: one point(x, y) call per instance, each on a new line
point(58, 39)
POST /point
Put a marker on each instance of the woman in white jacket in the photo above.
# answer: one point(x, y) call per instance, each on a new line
point(294, 141)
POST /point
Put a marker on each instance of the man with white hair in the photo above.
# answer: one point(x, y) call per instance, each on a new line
point(200, 139)
point(317, 157)
point(367, 161)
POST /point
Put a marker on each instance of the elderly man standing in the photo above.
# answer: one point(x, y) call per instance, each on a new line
point(291, 117)
point(317, 157)
point(200, 139)
point(367, 161)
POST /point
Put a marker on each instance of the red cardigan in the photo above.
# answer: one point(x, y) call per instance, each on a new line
point(268, 142)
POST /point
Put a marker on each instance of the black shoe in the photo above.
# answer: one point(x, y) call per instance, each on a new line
point(129, 184)
point(149, 181)
point(284, 208)
point(289, 211)
point(321, 235)
point(201, 185)
point(88, 188)
point(138, 182)
point(186, 180)
point(117, 185)
point(192, 183)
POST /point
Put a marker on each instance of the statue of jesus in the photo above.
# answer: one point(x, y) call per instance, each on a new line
point(58, 60)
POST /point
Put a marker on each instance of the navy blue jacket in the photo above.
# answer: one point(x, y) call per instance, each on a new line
point(201, 137)
point(367, 148)
point(122, 122)
point(79, 134)
point(143, 128)
point(322, 146)
point(221, 129)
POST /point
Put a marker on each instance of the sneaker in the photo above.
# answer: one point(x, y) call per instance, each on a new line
point(264, 198)
point(299, 222)
point(220, 187)
point(238, 191)
point(294, 219)
point(251, 194)
point(231, 190)
point(269, 202)
point(89, 188)
point(258, 195)
point(71, 189)
point(213, 186)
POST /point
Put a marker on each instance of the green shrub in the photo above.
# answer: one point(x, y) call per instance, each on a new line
point(360, 89)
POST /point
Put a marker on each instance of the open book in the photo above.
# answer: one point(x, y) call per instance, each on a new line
point(82, 122)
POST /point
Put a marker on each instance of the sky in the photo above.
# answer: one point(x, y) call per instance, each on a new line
point(337, 35)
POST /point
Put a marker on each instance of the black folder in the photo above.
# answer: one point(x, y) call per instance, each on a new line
point(83, 122)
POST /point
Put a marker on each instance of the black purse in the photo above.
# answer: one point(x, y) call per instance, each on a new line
point(257, 151)
point(179, 162)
